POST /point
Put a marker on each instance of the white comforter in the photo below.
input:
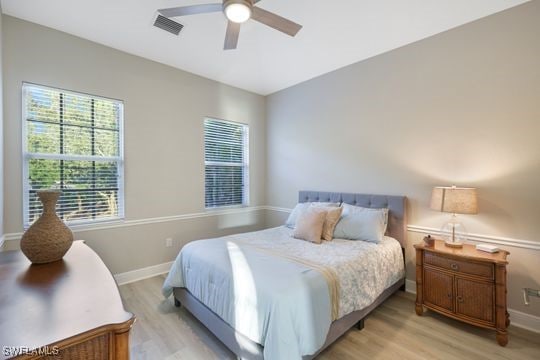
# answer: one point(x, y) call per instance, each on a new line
point(288, 308)
point(364, 269)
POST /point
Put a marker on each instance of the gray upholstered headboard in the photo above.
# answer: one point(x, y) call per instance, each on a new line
point(397, 214)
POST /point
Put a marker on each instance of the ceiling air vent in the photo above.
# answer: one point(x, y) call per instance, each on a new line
point(168, 25)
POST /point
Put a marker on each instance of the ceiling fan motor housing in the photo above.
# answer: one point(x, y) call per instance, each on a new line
point(248, 3)
point(238, 11)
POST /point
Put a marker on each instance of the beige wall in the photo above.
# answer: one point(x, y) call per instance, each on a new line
point(1, 136)
point(164, 112)
point(461, 107)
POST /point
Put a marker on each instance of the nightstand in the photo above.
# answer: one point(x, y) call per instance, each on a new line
point(464, 284)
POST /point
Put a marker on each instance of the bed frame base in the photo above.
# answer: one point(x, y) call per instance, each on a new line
point(247, 349)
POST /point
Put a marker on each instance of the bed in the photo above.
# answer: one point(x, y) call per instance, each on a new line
point(268, 296)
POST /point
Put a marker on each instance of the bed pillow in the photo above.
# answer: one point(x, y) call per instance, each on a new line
point(309, 225)
point(301, 208)
point(333, 214)
point(358, 223)
point(383, 210)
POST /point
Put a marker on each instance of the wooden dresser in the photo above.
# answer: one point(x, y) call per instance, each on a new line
point(464, 284)
point(69, 309)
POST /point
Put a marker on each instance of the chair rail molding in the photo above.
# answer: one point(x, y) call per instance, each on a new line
point(148, 221)
point(278, 209)
point(499, 240)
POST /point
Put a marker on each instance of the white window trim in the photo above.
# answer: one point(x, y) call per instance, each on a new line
point(26, 156)
point(245, 165)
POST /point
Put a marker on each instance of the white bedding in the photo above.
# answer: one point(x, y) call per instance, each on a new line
point(364, 269)
point(279, 303)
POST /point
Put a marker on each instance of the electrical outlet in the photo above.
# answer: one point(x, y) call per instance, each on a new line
point(168, 242)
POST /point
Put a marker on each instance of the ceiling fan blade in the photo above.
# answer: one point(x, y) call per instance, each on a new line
point(191, 10)
point(275, 21)
point(231, 37)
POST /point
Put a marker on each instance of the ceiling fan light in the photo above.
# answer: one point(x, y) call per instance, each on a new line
point(238, 12)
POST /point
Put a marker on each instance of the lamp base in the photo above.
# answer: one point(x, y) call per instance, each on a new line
point(453, 244)
point(454, 233)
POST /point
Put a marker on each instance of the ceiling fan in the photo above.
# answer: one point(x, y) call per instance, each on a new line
point(236, 12)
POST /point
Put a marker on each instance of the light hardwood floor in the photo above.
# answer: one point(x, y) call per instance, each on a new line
point(393, 331)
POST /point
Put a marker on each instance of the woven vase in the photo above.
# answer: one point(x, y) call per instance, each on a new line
point(48, 239)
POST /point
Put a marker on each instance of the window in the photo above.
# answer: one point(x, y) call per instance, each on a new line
point(226, 163)
point(73, 143)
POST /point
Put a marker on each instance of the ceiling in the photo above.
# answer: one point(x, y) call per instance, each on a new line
point(336, 33)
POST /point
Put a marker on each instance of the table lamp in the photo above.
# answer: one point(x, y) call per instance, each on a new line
point(455, 200)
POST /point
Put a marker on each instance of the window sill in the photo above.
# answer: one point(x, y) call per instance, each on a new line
point(221, 208)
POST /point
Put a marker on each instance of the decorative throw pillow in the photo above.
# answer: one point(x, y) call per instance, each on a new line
point(333, 214)
point(309, 226)
point(358, 223)
point(301, 208)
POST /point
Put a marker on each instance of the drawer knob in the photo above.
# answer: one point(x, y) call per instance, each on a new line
point(460, 299)
point(454, 266)
point(449, 296)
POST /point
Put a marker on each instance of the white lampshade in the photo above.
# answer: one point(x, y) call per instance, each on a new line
point(238, 11)
point(454, 200)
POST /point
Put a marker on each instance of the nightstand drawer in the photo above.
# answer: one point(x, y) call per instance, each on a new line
point(472, 268)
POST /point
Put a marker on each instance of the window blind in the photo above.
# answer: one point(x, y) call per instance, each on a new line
point(226, 163)
point(73, 143)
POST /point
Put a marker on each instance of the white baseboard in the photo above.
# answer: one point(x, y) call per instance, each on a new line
point(141, 274)
point(410, 286)
point(517, 318)
point(525, 321)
